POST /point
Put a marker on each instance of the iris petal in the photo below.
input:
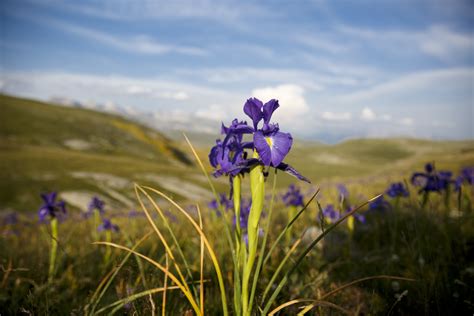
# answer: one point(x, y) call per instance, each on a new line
point(268, 110)
point(272, 148)
point(280, 146)
point(253, 108)
point(262, 147)
point(292, 171)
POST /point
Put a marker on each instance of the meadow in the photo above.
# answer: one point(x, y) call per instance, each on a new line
point(355, 245)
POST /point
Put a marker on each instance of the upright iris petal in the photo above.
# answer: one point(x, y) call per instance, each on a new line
point(253, 108)
point(268, 110)
point(272, 148)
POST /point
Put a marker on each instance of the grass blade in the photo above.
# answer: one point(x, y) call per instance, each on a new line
point(314, 303)
point(165, 288)
point(183, 289)
point(201, 256)
point(120, 303)
point(280, 266)
point(211, 252)
point(275, 243)
point(173, 237)
point(390, 277)
point(105, 283)
point(307, 250)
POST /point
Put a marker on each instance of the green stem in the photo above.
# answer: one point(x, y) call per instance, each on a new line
point(96, 224)
point(54, 248)
point(425, 199)
point(257, 186)
point(108, 249)
point(258, 269)
point(291, 214)
point(236, 189)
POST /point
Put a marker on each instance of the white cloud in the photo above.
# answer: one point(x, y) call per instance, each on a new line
point(367, 114)
point(407, 121)
point(441, 42)
point(291, 99)
point(386, 117)
point(213, 112)
point(333, 116)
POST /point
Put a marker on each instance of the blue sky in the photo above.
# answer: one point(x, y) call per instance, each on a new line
point(339, 68)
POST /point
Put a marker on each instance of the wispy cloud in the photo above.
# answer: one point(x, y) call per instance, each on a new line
point(336, 116)
point(223, 11)
point(140, 44)
point(439, 41)
point(418, 81)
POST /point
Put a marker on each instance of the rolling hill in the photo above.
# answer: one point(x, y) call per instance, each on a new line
point(82, 153)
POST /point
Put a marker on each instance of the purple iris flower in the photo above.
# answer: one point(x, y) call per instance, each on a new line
point(107, 225)
point(228, 156)
point(343, 192)
point(272, 146)
point(397, 189)
point(293, 196)
point(226, 203)
point(432, 180)
point(96, 204)
point(468, 175)
point(330, 212)
point(50, 206)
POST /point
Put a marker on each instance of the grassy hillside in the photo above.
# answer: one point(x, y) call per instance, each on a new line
point(80, 153)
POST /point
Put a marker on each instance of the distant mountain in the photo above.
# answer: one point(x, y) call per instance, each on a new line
point(171, 123)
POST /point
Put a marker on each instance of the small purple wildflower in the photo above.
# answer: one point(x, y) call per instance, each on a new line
point(226, 203)
point(468, 175)
point(50, 206)
point(431, 180)
point(397, 189)
point(96, 204)
point(343, 192)
point(293, 196)
point(331, 213)
point(108, 225)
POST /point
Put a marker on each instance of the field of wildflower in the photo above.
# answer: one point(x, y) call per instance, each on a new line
point(365, 247)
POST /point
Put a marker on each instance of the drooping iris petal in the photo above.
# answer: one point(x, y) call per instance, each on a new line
point(272, 148)
point(253, 108)
point(292, 171)
point(214, 153)
point(268, 110)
